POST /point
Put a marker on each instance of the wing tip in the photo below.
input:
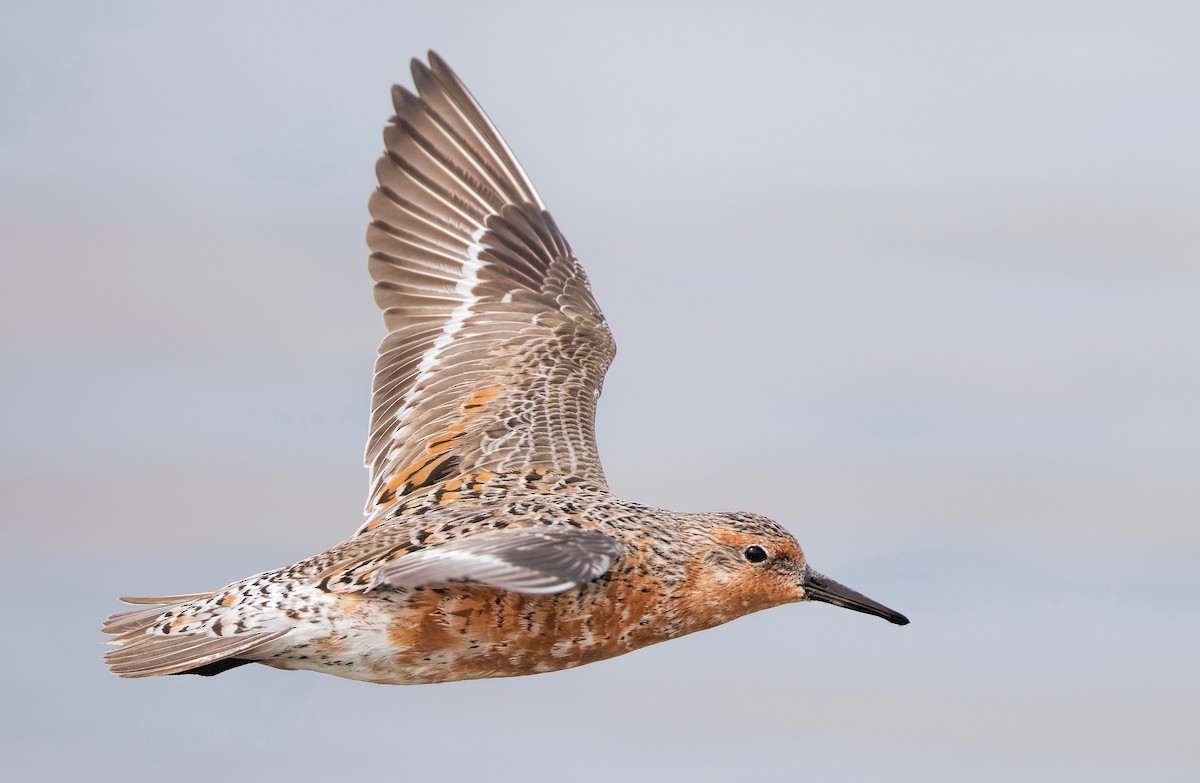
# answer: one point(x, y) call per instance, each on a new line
point(419, 69)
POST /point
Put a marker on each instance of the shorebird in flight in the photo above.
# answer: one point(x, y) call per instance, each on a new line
point(492, 546)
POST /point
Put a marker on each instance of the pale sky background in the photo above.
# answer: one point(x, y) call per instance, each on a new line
point(920, 280)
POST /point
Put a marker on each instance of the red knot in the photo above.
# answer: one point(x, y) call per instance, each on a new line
point(492, 545)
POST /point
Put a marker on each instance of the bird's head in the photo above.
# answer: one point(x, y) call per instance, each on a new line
point(750, 563)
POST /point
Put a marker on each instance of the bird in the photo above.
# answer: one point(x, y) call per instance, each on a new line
point(492, 545)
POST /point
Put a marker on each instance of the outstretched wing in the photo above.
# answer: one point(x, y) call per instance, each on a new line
point(496, 349)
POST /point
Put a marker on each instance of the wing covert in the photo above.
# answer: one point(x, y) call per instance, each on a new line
point(534, 561)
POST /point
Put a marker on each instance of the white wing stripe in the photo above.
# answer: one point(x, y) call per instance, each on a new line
point(458, 316)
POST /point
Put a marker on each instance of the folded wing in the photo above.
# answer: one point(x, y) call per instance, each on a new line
point(535, 561)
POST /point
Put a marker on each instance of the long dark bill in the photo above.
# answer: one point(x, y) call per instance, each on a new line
point(819, 587)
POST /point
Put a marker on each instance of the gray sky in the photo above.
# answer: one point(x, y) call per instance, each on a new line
point(918, 280)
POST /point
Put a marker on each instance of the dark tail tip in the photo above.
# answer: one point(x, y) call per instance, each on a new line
point(217, 667)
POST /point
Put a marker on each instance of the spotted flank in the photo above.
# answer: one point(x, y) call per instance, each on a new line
point(492, 546)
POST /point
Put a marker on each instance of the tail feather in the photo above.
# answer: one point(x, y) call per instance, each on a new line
point(142, 653)
point(150, 655)
point(164, 599)
point(141, 619)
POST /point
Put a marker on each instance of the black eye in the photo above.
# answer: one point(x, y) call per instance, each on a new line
point(754, 553)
